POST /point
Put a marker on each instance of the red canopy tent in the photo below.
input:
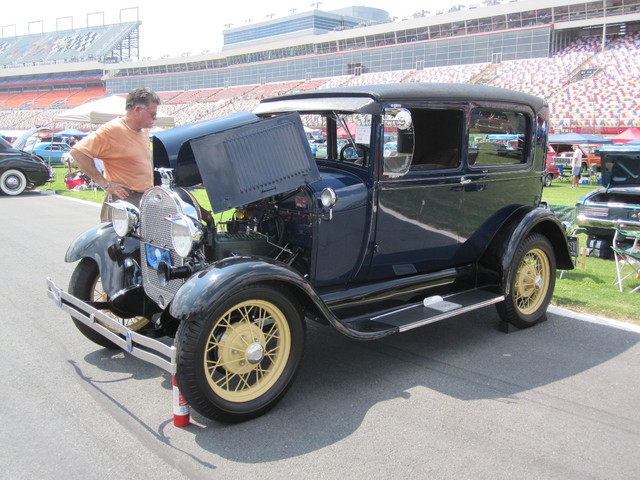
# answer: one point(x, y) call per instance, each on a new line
point(342, 133)
point(628, 135)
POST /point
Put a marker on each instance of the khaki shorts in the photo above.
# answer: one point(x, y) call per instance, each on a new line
point(105, 213)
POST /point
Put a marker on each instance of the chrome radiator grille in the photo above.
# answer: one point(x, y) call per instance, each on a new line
point(156, 204)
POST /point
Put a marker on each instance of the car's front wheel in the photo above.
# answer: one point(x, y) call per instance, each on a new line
point(238, 362)
point(13, 182)
point(530, 282)
point(86, 285)
point(548, 178)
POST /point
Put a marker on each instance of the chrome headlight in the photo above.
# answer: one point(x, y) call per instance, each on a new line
point(185, 233)
point(125, 217)
point(328, 198)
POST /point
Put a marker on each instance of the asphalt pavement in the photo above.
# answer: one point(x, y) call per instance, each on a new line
point(456, 399)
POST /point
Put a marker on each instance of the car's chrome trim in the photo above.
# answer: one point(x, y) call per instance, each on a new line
point(140, 346)
point(585, 221)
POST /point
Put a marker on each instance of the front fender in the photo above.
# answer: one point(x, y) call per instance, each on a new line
point(499, 255)
point(118, 262)
point(202, 292)
point(198, 296)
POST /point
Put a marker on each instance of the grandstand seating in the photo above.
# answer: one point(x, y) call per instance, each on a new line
point(69, 45)
point(584, 88)
point(231, 92)
point(18, 100)
point(274, 89)
point(193, 96)
point(85, 95)
point(51, 98)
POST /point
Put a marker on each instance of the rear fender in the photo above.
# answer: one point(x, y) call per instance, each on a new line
point(118, 261)
point(496, 260)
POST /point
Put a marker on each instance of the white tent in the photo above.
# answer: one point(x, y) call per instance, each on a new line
point(101, 111)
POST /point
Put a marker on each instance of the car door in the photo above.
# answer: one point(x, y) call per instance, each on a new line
point(498, 171)
point(420, 192)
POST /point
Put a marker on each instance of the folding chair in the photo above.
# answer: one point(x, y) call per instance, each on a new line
point(561, 174)
point(627, 256)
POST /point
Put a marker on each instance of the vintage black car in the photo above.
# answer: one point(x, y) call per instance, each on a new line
point(369, 240)
point(21, 170)
point(618, 202)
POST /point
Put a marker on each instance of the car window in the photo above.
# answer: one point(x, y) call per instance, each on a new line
point(421, 140)
point(340, 137)
point(315, 128)
point(497, 137)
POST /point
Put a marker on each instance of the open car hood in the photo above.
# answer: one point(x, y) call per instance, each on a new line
point(21, 141)
point(620, 166)
point(240, 158)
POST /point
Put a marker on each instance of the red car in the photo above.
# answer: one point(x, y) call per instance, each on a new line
point(552, 171)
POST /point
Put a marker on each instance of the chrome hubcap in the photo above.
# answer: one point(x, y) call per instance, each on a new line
point(12, 182)
point(255, 353)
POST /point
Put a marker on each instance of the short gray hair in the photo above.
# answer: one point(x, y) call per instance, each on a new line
point(141, 96)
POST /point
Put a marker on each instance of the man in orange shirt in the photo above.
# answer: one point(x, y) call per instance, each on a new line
point(123, 146)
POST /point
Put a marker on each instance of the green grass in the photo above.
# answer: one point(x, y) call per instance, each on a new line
point(588, 290)
point(96, 196)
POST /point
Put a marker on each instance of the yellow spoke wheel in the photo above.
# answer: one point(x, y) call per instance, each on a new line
point(99, 295)
point(530, 282)
point(85, 284)
point(247, 350)
point(239, 355)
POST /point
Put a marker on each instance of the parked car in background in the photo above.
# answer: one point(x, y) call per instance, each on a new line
point(562, 153)
point(369, 240)
point(551, 173)
point(618, 202)
point(21, 170)
point(53, 153)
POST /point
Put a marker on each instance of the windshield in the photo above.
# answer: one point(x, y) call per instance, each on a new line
point(339, 137)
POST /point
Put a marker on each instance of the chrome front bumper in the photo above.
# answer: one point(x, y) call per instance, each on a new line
point(144, 348)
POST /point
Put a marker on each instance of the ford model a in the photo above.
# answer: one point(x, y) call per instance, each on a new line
point(374, 210)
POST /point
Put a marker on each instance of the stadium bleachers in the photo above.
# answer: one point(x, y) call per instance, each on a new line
point(85, 95)
point(63, 46)
point(584, 88)
point(51, 98)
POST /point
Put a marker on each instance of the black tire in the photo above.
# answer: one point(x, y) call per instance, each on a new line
point(85, 284)
point(530, 283)
point(228, 378)
point(547, 180)
point(13, 182)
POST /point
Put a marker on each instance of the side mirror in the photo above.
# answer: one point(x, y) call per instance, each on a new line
point(403, 119)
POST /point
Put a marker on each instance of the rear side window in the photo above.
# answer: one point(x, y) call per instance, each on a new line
point(497, 137)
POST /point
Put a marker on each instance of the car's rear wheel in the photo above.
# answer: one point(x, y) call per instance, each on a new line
point(13, 182)
point(86, 285)
point(238, 362)
point(548, 179)
point(530, 283)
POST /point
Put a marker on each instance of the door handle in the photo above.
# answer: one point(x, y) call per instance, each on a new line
point(464, 181)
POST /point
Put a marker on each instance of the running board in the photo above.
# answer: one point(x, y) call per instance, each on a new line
point(430, 310)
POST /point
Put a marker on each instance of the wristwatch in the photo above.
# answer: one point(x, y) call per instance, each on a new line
point(106, 187)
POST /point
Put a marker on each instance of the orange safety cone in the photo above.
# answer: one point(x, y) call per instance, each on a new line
point(181, 409)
